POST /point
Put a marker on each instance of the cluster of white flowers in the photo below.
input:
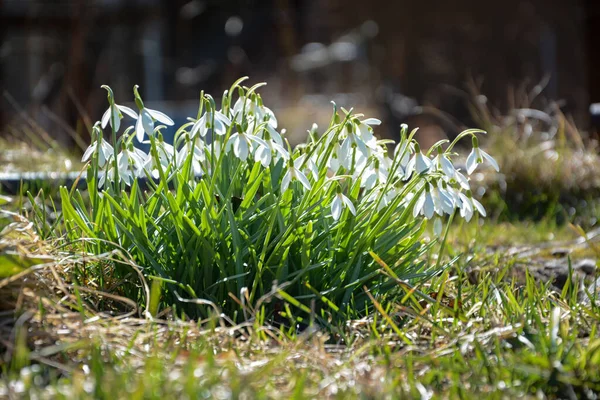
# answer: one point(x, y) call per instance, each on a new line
point(346, 152)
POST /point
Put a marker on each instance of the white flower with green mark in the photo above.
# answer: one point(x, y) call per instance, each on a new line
point(205, 123)
point(477, 156)
point(105, 152)
point(292, 174)
point(243, 143)
point(115, 112)
point(130, 164)
point(469, 205)
point(339, 202)
point(419, 163)
point(441, 162)
point(145, 121)
point(425, 204)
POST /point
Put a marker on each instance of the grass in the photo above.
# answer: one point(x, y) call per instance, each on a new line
point(499, 337)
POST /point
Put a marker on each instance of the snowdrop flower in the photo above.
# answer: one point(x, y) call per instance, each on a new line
point(461, 180)
point(469, 205)
point(477, 156)
point(130, 164)
point(403, 150)
point(374, 176)
point(145, 121)
point(242, 143)
point(102, 179)
point(264, 153)
point(424, 204)
point(442, 201)
point(339, 202)
point(105, 151)
point(197, 149)
point(441, 162)
point(166, 153)
point(363, 128)
point(294, 174)
point(418, 163)
point(308, 165)
point(358, 135)
point(204, 124)
point(113, 113)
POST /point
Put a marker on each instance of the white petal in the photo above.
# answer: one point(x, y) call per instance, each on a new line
point(283, 152)
point(336, 208)
point(219, 116)
point(196, 127)
point(447, 166)
point(471, 161)
point(462, 180)
point(479, 207)
point(240, 148)
point(371, 121)
point(285, 182)
point(263, 154)
point(232, 139)
point(369, 180)
point(345, 153)
point(422, 163)
point(160, 116)
point(410, 167)
point(428, 206)
point(147, 122)
point(349, 204)
point(88, 152)
point(419, 205)
point(139, 130)
point(105, 118)
point(127, 111)
point(275, 135)
point(491, 160)
point(117, 118)
point(303, 180)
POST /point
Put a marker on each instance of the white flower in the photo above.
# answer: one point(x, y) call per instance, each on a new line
point(443, 201)
point(114, 113)
point(105, 153)
point(264, 153)
point(102, 179)
point(441, 162)
point(373, 176)
point(242, 144)
point(461, 179)
point(468, 205)
point(424, 204)
point(165, 155)
point(203, 124)
point(418, 163)
point(197, 149)
point(145, 122)
point(130, 164)
point(366, 132)
point(338, 204)
point(476, 157)
point(294, 174)
point(355, 139)
point(301, 163)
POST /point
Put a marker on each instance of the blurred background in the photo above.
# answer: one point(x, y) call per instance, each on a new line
point(420, 62)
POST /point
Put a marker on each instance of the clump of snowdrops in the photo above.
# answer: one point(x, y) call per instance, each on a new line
point(230, 213)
